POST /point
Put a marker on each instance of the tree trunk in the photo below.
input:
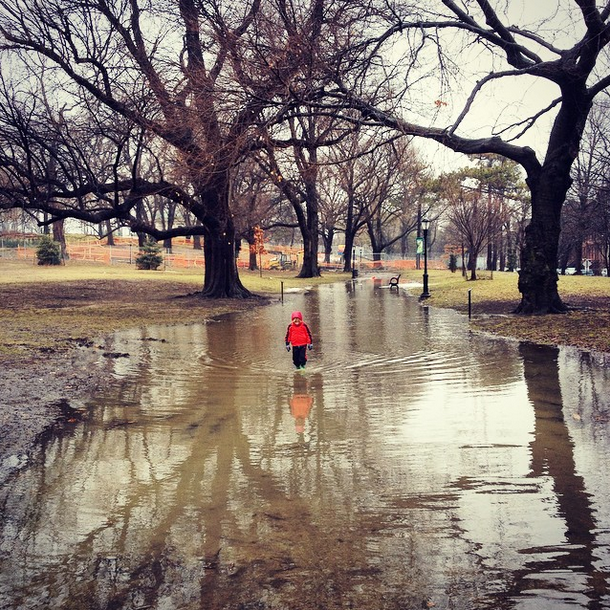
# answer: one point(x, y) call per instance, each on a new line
point(373, 239)
point(578, 257)
point(327, 238)
point(221, 276)
point(538, 275)
point(252, 254)
point(505, 247)
point(463, 260)
point(252, 259)
point(310, 267)
point(59, 235)
point(472, 263)
point(109, 233)
point(348, 260)
point(221, 280)
point(350, 234)
point(549, 186)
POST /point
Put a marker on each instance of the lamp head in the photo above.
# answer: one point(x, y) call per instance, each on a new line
point(425, 223)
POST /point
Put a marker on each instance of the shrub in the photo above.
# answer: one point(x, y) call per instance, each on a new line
point(150, 256)
point(48, 251)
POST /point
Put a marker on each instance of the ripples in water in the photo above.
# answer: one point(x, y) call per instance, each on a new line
point(411, 464)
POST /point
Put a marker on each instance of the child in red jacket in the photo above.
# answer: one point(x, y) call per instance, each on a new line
point(299, 336)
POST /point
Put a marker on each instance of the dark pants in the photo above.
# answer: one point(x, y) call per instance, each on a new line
point(299, 355)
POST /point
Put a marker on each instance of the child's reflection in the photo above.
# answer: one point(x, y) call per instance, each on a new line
point(300, 402)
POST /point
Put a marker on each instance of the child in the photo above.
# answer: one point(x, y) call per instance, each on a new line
point(299, 336)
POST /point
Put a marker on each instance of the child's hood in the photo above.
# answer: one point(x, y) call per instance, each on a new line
point(297, 315)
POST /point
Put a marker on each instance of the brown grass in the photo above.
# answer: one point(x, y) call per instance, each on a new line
point(493, 299)
point(51, 309)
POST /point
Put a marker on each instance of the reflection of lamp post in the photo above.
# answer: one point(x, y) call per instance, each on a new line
point(425, 223)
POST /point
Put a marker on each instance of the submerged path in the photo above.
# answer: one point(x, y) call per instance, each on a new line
point(412, 464)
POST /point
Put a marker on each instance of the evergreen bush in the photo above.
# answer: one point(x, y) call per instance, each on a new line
point(150, 256)
point(48, 252)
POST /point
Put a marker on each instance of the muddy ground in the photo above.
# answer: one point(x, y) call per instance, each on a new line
point(51, 350)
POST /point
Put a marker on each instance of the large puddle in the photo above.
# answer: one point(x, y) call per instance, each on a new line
point(412, 464)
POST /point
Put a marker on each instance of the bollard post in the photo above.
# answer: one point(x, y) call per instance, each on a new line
point(282, 290)
point(469, 303)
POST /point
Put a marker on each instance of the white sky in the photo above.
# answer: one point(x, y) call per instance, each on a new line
point(506, 101)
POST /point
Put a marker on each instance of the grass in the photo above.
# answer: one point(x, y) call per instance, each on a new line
point(586, 325)
point(48, 309)
point(267, 282)
point(451, 289)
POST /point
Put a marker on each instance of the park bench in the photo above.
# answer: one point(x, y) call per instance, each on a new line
point(394, 281)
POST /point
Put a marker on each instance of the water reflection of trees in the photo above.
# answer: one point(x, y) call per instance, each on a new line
point(191, 507)
point(572, 567)
point(189, 488)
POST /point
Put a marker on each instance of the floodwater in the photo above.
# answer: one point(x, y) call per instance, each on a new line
point(411, 465)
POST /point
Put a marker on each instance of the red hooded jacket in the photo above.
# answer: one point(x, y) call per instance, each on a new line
point(298, 334)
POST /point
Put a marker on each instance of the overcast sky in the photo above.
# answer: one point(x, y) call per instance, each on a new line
point(508, 100)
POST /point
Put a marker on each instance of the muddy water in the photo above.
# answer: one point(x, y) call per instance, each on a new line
point(410, 465)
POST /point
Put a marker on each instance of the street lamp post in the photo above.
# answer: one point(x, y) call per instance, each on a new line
point(425, 223)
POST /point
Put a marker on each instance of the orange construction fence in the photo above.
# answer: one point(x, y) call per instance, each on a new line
point(110, 255)
point(185, 256)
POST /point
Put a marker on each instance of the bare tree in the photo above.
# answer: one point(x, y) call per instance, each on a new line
point(294, 164)
point(601, 234)
point(253, 201)
point(482, 35)
point(500, 181)
point(584, 215)
point(601, 223)
point(207, 79)
point(332, 209)
point(474, 220)
point(180, 73)
point(397, 209)
point(351, 175)
point(312, 45)
point(365, 176)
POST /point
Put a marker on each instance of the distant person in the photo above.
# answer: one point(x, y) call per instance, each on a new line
point(299, 336)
